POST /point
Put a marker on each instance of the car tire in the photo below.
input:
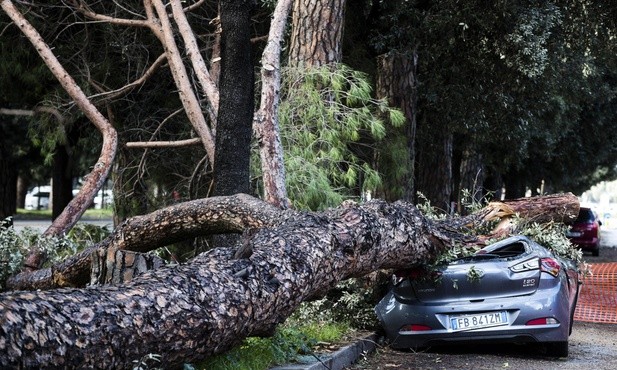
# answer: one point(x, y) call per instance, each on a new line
point(557, 349)
point(595, 252)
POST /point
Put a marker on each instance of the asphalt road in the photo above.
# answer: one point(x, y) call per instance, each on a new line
point(609, 238)
point(41, 225)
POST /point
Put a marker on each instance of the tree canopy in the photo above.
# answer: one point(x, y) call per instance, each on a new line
point(516, 87)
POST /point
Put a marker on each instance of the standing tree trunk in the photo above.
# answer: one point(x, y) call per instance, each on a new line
point(236, 107)
point(317, 31)
point(472, 174)
point(62, 180)
point(434, 172)
point(397, 81)
point(266, 124)
point(8, 181)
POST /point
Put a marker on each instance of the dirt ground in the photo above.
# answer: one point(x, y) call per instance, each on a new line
point(592, 346)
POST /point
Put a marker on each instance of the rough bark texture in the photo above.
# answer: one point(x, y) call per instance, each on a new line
point(189, 312)
point(472, 174)
point(397, 82)
point(317, 32)
point(8, 181)
point(62, 180)
point(561, 208)
point(118, 266)
point(434, 170)
point(235, 116)
point(162, 27)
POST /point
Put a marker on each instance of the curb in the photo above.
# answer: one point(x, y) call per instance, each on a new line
point(337, 360)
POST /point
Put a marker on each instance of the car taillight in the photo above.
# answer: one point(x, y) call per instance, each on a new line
point(550, 266)
point(543, 321)
point(532, 264)
point(414, 327)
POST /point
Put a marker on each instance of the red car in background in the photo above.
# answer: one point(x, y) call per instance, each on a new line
point(585, 231)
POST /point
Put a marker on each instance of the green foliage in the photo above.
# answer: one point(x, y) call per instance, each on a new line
point(330, 129)
point(527, 45)
point(428, 210)
point(551, 235)
point(329, 320)
point(524, 83)
point(15, 246)
point(350, 303)
point(262, 353)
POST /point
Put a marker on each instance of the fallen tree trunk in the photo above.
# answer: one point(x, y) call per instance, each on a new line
point(189, 312)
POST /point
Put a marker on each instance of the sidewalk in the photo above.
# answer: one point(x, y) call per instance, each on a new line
point(337, 360)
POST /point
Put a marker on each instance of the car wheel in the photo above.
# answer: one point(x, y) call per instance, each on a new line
point(596, 252)
point(557, 349)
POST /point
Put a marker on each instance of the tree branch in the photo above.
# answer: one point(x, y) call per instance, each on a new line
point(164, 144)
point(189, 100)
point(94, 181)
point(189, 312)
point(265, 123)
point(199, 65)
point(217, 215)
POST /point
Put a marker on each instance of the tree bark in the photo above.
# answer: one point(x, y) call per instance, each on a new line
point(162, 28)
point(235, 116)
point(8, 182)
point(472, 173)
point(434, 170)
point(266, 124)
point(189, 312)
point(178, 222)
point(317, 32)
point(62, 180)
point(397, 82)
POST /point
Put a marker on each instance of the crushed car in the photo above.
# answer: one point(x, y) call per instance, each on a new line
point(514, 290)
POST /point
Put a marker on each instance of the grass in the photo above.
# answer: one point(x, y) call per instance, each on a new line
point(45, 214)
point(285, 346)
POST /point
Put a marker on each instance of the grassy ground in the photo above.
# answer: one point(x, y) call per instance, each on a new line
point(45, 214)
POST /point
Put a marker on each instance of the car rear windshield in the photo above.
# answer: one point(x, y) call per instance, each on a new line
point(507, 251)
point(585, 215)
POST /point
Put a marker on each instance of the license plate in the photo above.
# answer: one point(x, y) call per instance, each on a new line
point(573, 234)
point(481, 320)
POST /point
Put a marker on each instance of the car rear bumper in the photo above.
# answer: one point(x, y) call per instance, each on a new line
point(394, 315)
point(587, 244)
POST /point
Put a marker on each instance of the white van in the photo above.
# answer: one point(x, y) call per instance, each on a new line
point(38, 198)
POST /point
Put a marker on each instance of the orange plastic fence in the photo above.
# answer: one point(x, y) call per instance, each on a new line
point(597, 301)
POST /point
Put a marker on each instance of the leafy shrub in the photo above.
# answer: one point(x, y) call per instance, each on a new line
point(262, 353)
point(15, 246)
